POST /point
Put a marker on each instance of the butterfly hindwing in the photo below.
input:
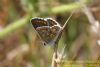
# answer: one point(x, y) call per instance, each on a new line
point(44, 33)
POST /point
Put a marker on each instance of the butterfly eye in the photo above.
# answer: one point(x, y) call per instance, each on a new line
point(44, 43)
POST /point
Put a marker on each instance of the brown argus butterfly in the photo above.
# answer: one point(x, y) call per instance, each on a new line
point(47, 29)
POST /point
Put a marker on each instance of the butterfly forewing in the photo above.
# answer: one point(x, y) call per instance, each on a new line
point(38, 22)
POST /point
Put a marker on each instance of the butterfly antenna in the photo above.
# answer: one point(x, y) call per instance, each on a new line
point(67, 20)
point(59, 34)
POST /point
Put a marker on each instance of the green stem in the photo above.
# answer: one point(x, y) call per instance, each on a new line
point(67, 7)
point(13, 26)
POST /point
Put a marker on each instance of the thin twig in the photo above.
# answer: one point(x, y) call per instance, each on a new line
point(61, 55)
point(54, 63)
point(55, 55)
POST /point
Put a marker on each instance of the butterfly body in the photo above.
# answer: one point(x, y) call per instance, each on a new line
point(47, 29)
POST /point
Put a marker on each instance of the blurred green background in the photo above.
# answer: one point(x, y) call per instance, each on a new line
point(21, 47)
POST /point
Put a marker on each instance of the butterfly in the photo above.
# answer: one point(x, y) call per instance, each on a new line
point(47, 29)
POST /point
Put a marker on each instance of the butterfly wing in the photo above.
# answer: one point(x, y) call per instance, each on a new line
point(38, 22)
point(47, 29)
point(55, 29)
point(44, 33)
point(48, 34)
point(52, 22)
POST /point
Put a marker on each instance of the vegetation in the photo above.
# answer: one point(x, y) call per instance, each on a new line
point(79, 45)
